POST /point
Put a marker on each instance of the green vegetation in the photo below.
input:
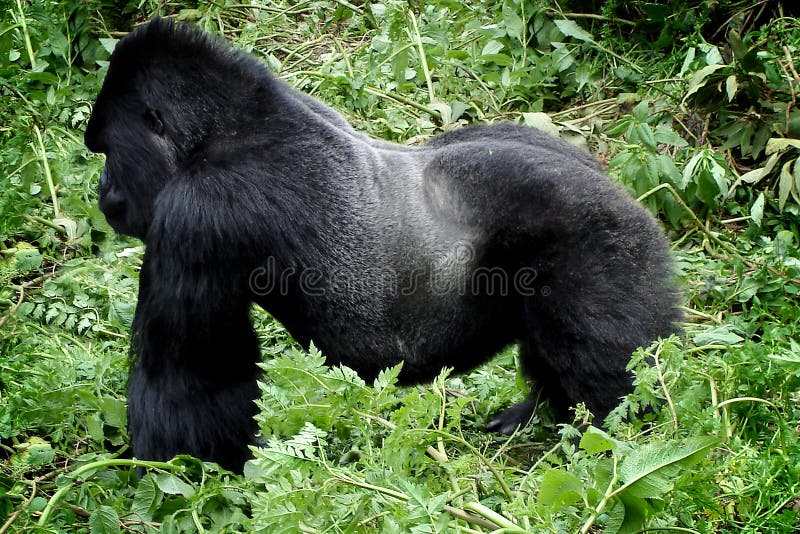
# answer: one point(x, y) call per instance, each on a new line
point(693, 105)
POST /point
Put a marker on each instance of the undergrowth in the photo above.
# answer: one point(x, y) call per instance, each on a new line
point(693, 107)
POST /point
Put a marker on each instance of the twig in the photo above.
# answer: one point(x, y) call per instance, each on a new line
point(14, 308)
point(582, 106)
point(594, 16)
point(41, 220)
point(468, 517)
point(13, 517)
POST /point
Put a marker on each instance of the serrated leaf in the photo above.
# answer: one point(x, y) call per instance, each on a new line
point(145, 499)
point(571, 29)
point(104, 520)
point(650, 471)
point(667, 136)
point(172, 485)
point(559, 489)
point(27, 259)
point(720, 335)
point(645, 136)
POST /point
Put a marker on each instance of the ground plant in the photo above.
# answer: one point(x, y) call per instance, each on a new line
point(693, 108)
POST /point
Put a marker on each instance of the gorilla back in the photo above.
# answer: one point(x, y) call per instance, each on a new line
point(245, 191)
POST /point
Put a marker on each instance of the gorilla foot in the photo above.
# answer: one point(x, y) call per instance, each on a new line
point(512, 418)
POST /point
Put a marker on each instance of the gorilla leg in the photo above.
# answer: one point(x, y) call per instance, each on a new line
point(176, 410)
point(597, 303)
point(547, 386)
point(567, 366)
point(194, 379)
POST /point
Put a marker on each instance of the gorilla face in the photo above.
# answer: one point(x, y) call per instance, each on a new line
point(140, 159)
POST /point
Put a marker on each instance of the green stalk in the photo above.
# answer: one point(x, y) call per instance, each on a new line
point(27, 35)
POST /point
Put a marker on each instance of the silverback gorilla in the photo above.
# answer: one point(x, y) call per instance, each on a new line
point(245, 190)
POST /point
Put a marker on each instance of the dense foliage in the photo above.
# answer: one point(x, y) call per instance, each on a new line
point(694, 107)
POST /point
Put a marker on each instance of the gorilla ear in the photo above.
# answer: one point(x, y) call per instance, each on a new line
point(153, 119)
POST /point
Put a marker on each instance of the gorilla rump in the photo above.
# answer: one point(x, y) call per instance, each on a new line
point(239, 185)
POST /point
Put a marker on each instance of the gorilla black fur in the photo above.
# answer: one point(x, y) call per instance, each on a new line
point(245, 190)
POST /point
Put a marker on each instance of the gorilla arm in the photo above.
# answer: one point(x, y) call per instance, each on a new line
point(194, 377)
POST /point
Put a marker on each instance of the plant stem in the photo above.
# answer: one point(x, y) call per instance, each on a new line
point(46, 166)
point(27, 35)
point(57, 496)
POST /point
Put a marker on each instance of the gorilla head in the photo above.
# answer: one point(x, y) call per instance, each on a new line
point(159, 101)
point(225, 173)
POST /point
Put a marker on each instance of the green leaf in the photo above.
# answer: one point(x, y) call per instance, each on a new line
point(512, 21)
point(614, 516)
point(720, 335)
point(731, 86)
point(687, 61)
point(667, 168)
point(785, 183)
point(94, 425)
point(779, 144)
point(753, 177)
point(668, 136)
point(172, 485)
point(650, 471)
point(540, 121)
point(595, 440)
point(27, 259)
point(114, 412)
point(737, 45)
point(699, 78)
point(492, 47)
point(757, 209)
point(559, 489)
point(641, 112)
point(145, 499)
point(104, 520)
point(571, 29)
point(59, 44)
point(796, 188)
point(645, 136)
point(35, 452)
point(109, 44)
